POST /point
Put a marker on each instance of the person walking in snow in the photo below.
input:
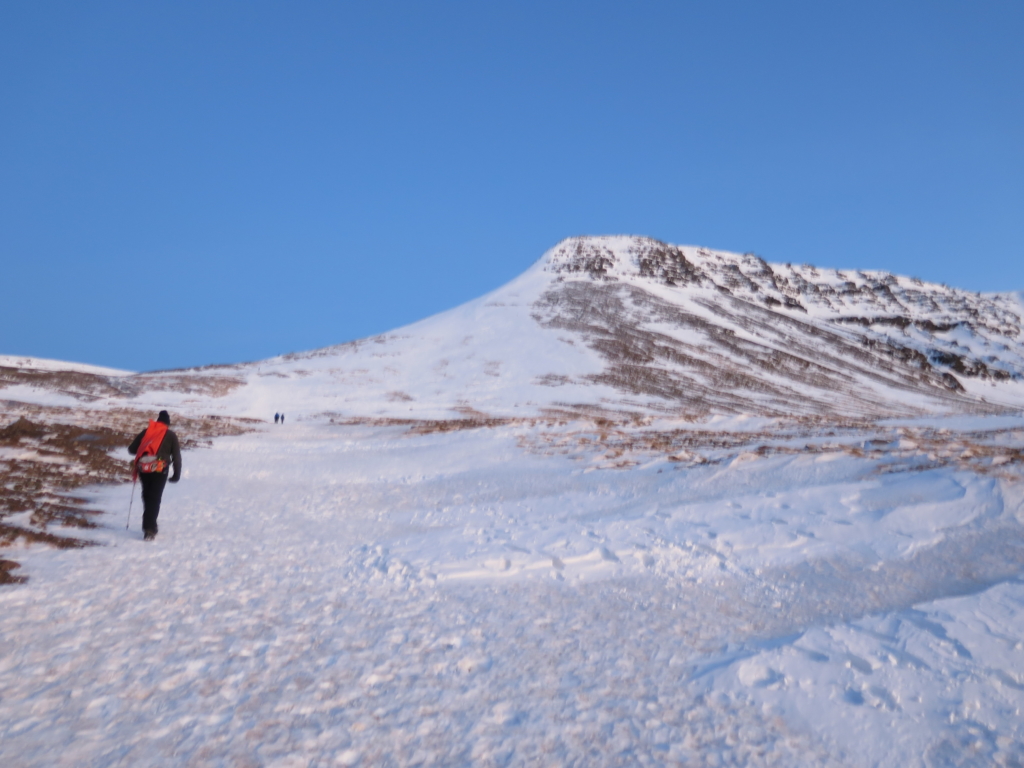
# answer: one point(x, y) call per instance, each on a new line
point(276, 417)
point(155, 449)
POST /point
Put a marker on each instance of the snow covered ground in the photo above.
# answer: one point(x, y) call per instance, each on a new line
point(42, 364)
point(342, 595)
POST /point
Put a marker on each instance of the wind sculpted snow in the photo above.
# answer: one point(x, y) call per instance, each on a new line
point(646, 505)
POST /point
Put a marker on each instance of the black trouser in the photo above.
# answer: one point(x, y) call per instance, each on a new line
point(152, 489)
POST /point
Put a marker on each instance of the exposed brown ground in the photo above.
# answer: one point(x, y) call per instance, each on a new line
point(90, 387)
point(609, 445)
point(48, 452)
point(610, 440)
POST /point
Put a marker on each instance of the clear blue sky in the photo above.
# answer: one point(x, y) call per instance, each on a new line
point(184, 183)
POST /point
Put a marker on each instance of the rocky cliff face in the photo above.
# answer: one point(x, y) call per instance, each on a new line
point(721, 332)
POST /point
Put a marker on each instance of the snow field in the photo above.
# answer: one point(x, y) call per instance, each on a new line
point(361, 596)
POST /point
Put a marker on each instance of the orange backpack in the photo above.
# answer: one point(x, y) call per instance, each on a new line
point(145, 459)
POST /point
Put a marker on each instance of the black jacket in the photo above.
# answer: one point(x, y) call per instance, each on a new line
point(169, 451)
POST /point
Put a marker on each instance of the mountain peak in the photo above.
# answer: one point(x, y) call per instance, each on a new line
point(801, 288)
point(633, 325)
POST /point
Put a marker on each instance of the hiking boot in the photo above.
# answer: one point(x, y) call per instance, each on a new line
point(149, 536)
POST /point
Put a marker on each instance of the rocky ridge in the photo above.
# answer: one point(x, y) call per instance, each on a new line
point(722, 332)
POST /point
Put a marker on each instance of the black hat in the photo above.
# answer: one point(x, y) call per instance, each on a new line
point(164, 418)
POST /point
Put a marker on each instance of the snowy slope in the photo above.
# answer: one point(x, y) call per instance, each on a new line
point(635, 326)
point(349, 595)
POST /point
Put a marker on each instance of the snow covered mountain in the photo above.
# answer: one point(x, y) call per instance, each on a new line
point(630, 325)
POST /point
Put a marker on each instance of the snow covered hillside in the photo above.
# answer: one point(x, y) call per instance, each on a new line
point(645, 505)
point(630, 325)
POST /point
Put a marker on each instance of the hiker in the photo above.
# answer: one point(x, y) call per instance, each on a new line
point(155, 448)
point(276, 417)
point(282, 418)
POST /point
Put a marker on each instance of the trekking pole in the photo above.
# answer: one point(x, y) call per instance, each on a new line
point(134, 480)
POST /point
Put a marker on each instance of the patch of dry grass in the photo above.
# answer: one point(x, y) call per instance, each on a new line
point(48, 452)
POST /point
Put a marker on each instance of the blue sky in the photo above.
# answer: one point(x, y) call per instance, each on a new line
point(184, 183)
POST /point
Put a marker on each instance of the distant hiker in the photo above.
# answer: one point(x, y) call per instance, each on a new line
point(155, 448)
point(282, 418)
point(276, 417)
